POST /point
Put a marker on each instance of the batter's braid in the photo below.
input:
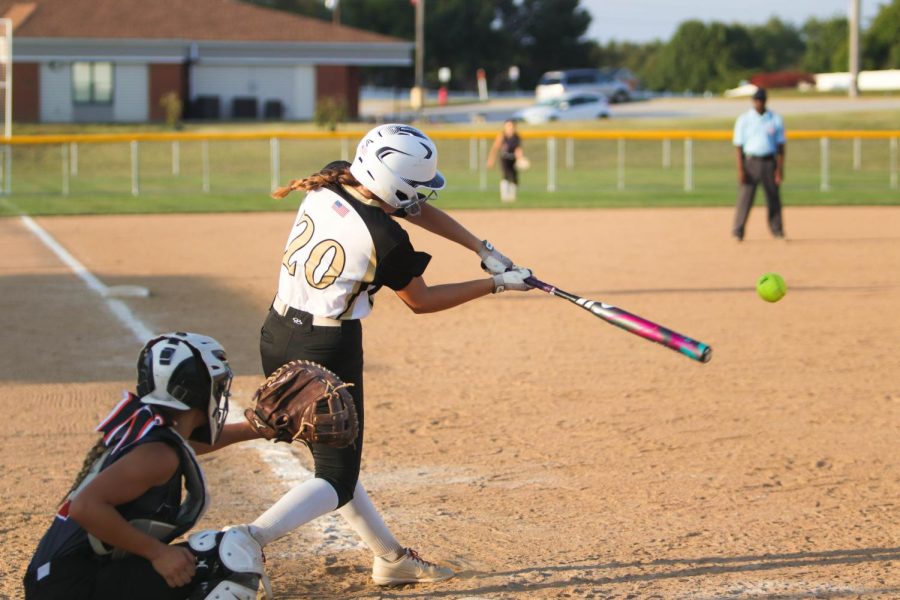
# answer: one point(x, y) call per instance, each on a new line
point(93, 454)
point(336, 173)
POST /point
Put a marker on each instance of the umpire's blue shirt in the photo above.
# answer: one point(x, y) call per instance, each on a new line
point(759, 134)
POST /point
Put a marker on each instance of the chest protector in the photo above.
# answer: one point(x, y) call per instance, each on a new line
point(160, 512)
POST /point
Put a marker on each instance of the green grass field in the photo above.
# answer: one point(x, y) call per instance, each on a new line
point(240, 170)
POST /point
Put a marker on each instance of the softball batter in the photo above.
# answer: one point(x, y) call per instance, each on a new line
point(345, 245)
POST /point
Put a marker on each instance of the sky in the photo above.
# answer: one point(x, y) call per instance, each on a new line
point(646, 20)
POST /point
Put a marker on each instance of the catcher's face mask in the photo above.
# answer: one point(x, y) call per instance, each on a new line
point(182, 371)
point(218, 406)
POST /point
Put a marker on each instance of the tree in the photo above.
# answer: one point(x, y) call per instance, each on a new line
point(826, 45)
point(779, 45)
point(549, 35)
point(545, 35)
point(389, 17)
point(702, 57)
point(631, 55)
point(465, 35)
point(881, 42)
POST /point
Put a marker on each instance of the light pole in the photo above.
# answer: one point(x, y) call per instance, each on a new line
point(420, 43)
point(417, 97)
point(335, 7)
point(854, 48)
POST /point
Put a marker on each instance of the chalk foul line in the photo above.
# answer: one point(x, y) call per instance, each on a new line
point(335, 534)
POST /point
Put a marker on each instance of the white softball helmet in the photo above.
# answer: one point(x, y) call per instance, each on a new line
point(183, 371)
point(398, 163)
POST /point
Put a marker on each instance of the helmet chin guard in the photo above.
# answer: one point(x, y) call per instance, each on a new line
point(182, 371)
point(398, 163)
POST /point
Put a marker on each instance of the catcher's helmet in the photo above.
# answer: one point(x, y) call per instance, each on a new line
point(183, 371)
point(398, 163)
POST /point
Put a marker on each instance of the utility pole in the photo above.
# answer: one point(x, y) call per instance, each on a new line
point(335, 7)
point(854, 48)
point(417, 93)
point(420, 44)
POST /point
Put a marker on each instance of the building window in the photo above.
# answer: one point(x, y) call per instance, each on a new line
point(93, 82)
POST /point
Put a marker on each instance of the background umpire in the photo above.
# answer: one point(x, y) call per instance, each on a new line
point(759, 139)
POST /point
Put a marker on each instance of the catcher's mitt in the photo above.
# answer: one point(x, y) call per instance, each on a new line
point(303, 400)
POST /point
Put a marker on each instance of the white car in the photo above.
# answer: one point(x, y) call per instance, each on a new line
point(568, 107)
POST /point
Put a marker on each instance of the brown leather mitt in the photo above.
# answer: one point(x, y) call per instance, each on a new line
point(303, 400)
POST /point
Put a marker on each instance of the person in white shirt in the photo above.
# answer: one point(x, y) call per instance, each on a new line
point(759, 139)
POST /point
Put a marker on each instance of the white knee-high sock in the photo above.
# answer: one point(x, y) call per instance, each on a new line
point(512, 191)
point(365, 520)
point(302, 504)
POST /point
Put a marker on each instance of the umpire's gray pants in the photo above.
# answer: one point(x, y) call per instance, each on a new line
point(758, 170)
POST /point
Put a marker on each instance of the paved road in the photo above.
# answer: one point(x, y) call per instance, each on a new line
point(658, 108)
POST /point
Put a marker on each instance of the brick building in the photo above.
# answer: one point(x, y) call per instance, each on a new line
point(114, 60)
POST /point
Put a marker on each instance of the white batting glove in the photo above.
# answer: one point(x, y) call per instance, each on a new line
point(512, 280)
point(492, 260)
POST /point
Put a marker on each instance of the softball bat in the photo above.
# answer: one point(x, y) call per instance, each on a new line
point(632, 323)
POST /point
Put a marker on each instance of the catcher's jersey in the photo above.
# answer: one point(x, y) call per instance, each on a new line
point(163, 503)
point(340, 252)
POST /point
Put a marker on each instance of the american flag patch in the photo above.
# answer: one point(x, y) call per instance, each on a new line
point(339, 208)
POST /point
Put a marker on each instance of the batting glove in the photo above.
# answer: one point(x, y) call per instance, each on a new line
point(492, 260)
point(512, 280)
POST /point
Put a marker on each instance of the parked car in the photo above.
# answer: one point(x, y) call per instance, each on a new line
point(597, 81)
point(568, 107)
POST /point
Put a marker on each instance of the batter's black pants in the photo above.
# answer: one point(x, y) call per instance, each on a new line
point(294, 337)
point(84, 576)
point(758, 170)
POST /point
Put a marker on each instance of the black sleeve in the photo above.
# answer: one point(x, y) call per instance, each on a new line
point(401, 265)
point(397, 261)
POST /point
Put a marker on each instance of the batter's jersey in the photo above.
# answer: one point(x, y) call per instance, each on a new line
point(340, 252)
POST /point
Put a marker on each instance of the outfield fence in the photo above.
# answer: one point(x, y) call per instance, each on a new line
point(683, 161)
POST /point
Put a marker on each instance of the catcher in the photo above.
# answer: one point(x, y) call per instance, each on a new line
point(111, 536)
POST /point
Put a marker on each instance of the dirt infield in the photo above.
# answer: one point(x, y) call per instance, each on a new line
point(538, 451)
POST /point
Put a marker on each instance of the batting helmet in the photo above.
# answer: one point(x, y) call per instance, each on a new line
point(398, 163)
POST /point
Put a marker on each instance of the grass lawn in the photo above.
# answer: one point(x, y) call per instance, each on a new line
point(588, 172)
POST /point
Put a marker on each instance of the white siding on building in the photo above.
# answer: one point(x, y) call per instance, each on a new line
point(868, 81)
point(294, 86)
point(131, 93)
point(56, 92)
point(304, 93)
